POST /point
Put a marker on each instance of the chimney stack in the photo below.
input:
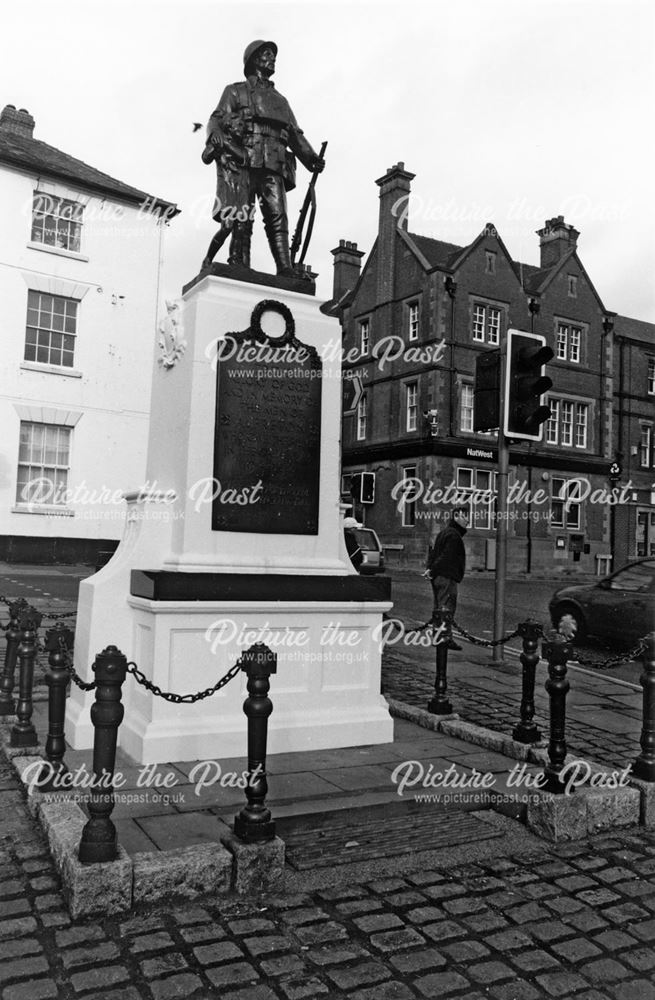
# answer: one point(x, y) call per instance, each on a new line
point(556, 239)
point(347, 265)
point(18, 122)
point(395, 189)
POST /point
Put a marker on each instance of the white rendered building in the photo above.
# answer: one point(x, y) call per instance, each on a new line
point(79, 284)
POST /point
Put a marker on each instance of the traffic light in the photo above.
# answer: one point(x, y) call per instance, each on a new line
point(525, 384)
point(363, 487)
point(486, 391)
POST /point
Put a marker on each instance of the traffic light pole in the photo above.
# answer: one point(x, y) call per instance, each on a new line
point(498, 656)
point(501, 546)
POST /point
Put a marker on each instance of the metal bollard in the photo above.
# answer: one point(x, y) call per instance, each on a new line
point(23, 733)
point(99, 842)
point(526, 731)
point(253, 824)
point(57, 641)
point(7, 703)
point(644, 765)
point(439, 704)
point(557, 651)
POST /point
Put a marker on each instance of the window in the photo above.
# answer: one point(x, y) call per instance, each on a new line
point(645, 534)
point(552, 424)
point(565, 503)
point(364, 336)
point(412, 395)
point(486, 324)
point(490, 262)
point(466, 409)
point(651, 376)
point(493, 325)
point(568, 423)
point(412, 331)
point(51, 329)
point(476, 490)
point(580, 426)
point(361, 419)
point(56, 222)
point(566, 426)
point(573, 286)
point(569, 340)
point(43, 463)
point(645, 444)
point(408, 507)
point(478, 323)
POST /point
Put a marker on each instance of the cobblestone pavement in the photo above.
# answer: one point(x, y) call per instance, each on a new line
point(574, 921)
point(566, 921)
point(408, 677)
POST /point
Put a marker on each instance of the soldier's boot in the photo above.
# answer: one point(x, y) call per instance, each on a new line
point(215, 245)
point(280, 249)
point(240, 245)
point(246, 239)
point(234, 256)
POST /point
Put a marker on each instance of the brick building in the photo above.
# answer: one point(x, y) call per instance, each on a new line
point(414, 319)
point(634, 420)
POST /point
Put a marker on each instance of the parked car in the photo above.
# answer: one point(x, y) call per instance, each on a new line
point(364, 549)
point(620, 607)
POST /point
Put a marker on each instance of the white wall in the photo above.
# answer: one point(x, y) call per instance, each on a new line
point(109, 398)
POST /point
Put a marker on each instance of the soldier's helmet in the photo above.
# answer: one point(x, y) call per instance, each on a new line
point(253, 48)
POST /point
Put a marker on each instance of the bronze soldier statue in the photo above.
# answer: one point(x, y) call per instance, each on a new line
point(254, 139)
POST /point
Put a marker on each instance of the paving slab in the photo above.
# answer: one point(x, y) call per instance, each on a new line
point(182, 829)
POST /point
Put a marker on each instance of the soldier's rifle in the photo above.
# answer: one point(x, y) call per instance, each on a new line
point(308, 207)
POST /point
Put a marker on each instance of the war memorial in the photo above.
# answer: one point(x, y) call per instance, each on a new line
point(238, 535)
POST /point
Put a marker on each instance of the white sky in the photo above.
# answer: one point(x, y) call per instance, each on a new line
point(507, 111)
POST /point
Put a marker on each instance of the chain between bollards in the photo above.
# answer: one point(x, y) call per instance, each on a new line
point(644, 765)
point(23, 733)
point(253, 824)
point(526, 731)
point(557, 651)
point(99, 841)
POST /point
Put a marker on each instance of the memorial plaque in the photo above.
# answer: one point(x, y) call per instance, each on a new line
point(267, 439)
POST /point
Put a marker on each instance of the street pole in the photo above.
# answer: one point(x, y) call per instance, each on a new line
point(533, 306)
point(501, 518)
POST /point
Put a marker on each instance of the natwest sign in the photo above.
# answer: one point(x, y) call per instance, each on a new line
point(488, 456)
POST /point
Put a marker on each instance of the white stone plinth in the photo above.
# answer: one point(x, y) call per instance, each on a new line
point(326, 692)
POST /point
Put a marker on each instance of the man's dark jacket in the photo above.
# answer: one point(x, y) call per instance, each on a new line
point(448, 556)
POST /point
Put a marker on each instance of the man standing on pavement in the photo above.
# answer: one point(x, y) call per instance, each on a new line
point(446, 566)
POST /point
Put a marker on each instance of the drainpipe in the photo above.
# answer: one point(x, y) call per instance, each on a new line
point(451, 289)
point(608, 326)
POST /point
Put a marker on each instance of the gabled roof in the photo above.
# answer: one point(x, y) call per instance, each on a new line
point(449, 256)
point(534, 280)
point(436, 252)
point(636, 329)
point(489, 229)
point(539, 279)
point(26, 153)
point(531, 277)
